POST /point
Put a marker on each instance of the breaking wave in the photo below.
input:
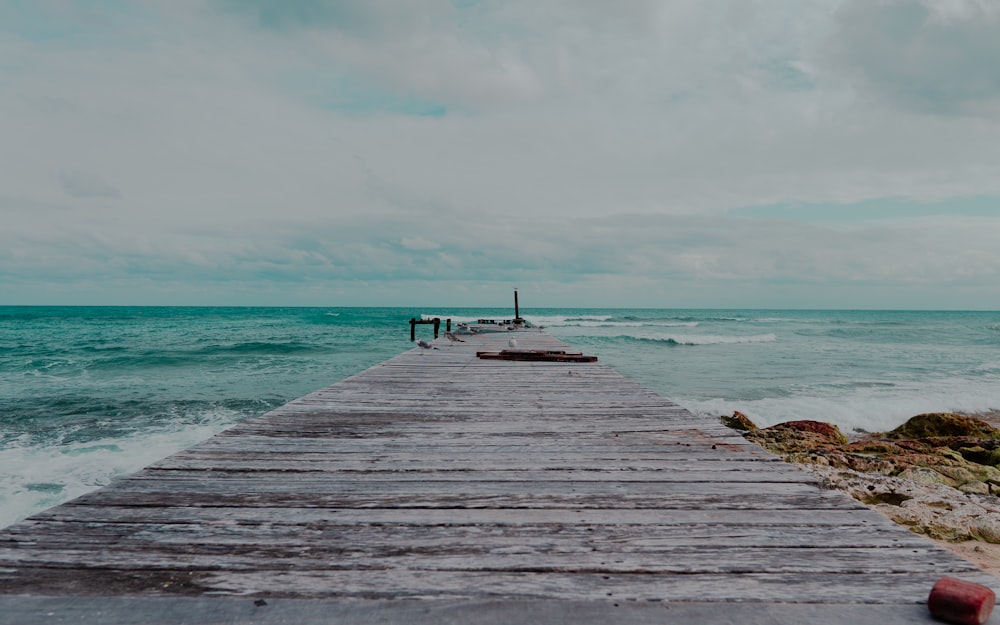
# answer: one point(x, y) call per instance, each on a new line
point(703, 339)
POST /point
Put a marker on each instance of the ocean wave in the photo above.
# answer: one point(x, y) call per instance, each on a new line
point(260, 347)
point(583, 323)
point(864, 407)
point(703, 339)
point(183, 357)
point(35, 475)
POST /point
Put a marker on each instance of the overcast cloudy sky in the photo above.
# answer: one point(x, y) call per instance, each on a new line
point(675, 153)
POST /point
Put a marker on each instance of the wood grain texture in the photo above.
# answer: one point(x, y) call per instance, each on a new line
point(439, 477)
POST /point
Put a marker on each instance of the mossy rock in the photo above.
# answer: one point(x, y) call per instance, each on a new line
point(976, 488)
point(793, 437)
point(947, 452)
point(739, 421)
point(816, 430)
point(861, 462)
point(943, 532)
point(923, 460)
point(943, 424)
point(979, 455)
point(961, 475)
point(874, 447)
point(919, 447)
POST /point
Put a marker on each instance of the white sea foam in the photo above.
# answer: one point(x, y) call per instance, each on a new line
point(33, 478)
point(605, 321)
point(584, 323)
point(706, 339)
point(870, 408)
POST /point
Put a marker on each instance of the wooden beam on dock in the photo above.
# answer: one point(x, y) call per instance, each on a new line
point(438, 487)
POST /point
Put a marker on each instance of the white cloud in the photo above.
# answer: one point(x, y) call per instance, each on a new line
point(922, 55)
point(584, 144)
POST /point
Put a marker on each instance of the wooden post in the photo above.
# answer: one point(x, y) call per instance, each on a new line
point(447, 327)
point(517, 313)
point(437, 326)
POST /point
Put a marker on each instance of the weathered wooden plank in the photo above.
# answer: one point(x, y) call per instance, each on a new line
point(840, 588)
point(460, 471)
point(703, 560)
point(354, 489)
point(375, 499)
point(551, 536)
point(312, 441)
point(488, 450)
point(826, 522)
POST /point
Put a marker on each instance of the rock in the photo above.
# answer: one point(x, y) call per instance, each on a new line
point(927, 476)
point(986, 528)
point(980, 455)
point(959, 474)
point(874, 447)
point(798, 436)
point(947, 452)
point(825, 431)
point(739, 421)
point(979, 488)
point(940, 483)
point(939, 424)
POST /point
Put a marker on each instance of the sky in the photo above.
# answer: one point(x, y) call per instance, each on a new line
point(642, 153)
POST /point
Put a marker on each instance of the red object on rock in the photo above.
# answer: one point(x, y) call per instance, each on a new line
point(960, 602)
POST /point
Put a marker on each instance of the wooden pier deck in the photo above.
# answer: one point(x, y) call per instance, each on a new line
point(440, 488)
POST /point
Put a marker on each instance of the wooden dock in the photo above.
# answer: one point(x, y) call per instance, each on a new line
point(437, 487)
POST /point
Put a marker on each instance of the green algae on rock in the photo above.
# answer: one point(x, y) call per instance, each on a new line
point(738, 421)
point(798, 436)
point(943, 424)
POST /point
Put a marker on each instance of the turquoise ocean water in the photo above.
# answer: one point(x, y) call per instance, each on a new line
point(90, 394)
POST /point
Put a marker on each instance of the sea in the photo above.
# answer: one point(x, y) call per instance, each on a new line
point(89, 394)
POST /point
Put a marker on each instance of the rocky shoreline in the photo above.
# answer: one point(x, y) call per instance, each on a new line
point(938, 474)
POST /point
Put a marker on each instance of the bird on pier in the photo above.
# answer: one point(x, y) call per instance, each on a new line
point(421, 343)
point(512, 343)
point(451, 337)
